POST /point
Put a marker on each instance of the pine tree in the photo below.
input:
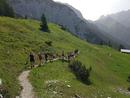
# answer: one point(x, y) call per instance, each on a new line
point(44, 26)
point(5, 9)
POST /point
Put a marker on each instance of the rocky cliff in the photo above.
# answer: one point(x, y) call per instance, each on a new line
point(58, 13)
point(117, 26)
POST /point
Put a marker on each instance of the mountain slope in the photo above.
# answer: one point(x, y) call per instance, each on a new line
point(57, 13)
point(116, 25)
point(18, 37)
point(122, 17)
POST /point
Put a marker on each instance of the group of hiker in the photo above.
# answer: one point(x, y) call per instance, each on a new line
point(44, 57)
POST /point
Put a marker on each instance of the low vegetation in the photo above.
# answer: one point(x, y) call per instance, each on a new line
point(129, 82)
point(128, 78)
point(18, 37)
point(80, 71)
point(49, 43)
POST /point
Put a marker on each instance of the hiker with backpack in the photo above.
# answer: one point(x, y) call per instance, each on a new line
point(32, 59)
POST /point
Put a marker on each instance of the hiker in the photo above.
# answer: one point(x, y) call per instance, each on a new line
point(57, 56)
point(50, 57)
point(54, 56)
point(32, 59)
point(46, 57)
point(69, 58)
point(71, 55)
point(40, 56)
point(76, 52)
point(63, 56)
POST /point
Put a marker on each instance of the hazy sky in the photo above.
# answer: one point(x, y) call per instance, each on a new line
point(93, 9)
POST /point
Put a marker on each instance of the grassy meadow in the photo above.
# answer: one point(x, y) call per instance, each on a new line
point(18, 37)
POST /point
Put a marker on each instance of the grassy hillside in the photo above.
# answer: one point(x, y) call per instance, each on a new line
point(110, 68)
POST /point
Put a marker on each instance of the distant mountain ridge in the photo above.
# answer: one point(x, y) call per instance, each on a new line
point(58, 13)
point(110, 30)
point(122, 17)
point(118, 26)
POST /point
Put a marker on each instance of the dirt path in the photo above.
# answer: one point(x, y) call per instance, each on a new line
point(27, 89)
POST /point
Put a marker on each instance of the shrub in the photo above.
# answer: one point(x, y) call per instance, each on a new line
point(128, 81)
point(49, 43)
point(44, 26)
point(128, 88)
point(80, 71)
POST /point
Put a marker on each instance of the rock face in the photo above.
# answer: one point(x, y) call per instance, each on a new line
point(58, 13)
point(117, 26)
point(122, 17)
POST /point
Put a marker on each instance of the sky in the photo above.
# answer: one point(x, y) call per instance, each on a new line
point(93, 9)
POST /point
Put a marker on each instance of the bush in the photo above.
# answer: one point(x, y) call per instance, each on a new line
point(80, 71)
point(128, 88)
point(128, 81)
point(44, 26)
point(49, 43)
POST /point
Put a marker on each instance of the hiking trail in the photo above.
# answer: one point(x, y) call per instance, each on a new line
point(27, 89)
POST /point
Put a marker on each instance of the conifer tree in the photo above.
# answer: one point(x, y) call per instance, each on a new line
point(44, 25)
point(6, 9)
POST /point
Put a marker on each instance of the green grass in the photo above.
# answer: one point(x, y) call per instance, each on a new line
point(110, 68)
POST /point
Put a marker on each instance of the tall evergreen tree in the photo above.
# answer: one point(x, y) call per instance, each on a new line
point(6, 9)
point(44, 25)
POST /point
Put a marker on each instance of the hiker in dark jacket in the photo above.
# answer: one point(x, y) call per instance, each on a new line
point(32, 59)
point(46, 57)
point(63, 56)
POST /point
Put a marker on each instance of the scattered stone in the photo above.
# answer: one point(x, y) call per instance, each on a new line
point(17, 96)
point(51, 81)
point(54, 92)
point(77, 96)
point(109, 97)
point(122, 91)
point(49, 85)
point(61, 93)
point(95, 97)
point(68, 86)
point(1, 96)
